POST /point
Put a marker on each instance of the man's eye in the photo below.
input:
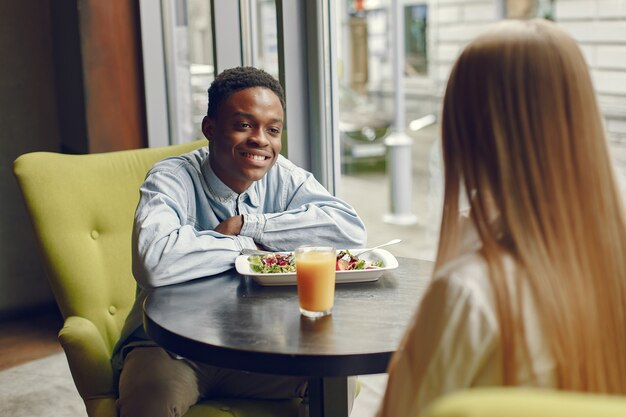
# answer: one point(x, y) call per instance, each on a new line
point(245, 125)
point(275, 131)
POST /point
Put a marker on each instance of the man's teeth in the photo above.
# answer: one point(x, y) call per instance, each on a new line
point(255, 157)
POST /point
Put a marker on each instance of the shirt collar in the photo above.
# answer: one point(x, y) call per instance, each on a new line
point(223, 192)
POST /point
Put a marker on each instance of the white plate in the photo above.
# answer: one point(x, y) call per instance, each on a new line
point(389, 262)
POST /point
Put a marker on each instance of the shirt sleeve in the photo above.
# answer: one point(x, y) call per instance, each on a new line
point(167, 248)
point(450, 339)
point(309, 214)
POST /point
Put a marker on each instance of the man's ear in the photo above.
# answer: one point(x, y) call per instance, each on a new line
point(208, 128)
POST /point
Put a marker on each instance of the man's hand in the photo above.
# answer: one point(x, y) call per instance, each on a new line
point(231, 226)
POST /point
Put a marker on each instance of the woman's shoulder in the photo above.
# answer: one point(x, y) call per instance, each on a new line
point(466, 278)
point(471, 267)
point(468, 269)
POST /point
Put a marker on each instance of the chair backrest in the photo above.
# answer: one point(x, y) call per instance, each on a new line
point(82, 208)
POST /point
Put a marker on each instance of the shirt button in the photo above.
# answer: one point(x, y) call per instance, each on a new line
point(112, 310)
point(94, 234)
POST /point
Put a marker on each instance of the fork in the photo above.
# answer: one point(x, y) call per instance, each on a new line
point(391, 242)
point(254, 252)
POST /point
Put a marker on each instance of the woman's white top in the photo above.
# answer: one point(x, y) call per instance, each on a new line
point(454, 342)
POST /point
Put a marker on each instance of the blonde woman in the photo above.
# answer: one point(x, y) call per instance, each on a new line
point(531, 289)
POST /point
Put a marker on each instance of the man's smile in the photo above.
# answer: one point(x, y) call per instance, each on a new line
point(254, 157)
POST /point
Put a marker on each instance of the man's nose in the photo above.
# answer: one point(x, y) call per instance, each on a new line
point(259, 137)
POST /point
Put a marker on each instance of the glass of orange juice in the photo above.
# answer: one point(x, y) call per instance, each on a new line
point(315, 271)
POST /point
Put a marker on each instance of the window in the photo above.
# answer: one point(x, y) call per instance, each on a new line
point(361, 75)
point(415, 32)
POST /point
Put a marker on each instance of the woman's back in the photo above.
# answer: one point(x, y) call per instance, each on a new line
point(454, 340)
point(523, 140)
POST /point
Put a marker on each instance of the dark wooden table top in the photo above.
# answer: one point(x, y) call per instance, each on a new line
point(231, 321)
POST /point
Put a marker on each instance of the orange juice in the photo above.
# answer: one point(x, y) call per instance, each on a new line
point(315, 269)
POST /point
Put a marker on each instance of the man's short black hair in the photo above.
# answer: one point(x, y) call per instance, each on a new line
point(240, 78)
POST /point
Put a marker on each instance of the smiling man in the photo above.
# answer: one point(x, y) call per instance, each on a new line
point(197, 212)
point(245, 136)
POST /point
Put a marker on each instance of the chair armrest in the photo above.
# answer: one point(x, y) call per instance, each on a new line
point(524, 402)
point(88, 358)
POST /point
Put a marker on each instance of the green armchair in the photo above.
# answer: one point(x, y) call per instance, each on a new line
point(525, 402)
point(82, 210)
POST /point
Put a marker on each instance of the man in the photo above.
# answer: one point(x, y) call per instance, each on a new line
point(197, 212)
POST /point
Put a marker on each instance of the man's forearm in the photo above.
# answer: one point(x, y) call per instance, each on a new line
point(185, 254)
point(231, 226)
point(308, 225)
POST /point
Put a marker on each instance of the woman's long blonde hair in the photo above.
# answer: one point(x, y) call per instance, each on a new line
point(522, 135)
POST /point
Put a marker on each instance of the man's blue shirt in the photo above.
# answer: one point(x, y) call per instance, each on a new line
point(182, 201)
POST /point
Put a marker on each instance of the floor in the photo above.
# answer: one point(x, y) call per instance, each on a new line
point(34, 337)
point(29, 337)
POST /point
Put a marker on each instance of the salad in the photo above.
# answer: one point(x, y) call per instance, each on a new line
point(273, 263)
point(281, 263)
point(348, 262)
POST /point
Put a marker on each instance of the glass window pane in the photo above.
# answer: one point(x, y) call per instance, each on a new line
point(366, 115)
point(189, 65)
point(266, 36)
point(434, 33)
point(201, 69)
point(415, 32)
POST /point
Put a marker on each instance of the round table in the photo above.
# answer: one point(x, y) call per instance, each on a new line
point(229, 320)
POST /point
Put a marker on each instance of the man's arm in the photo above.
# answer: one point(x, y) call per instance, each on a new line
point(308, 214)
point(167, 248)
point(231, 226)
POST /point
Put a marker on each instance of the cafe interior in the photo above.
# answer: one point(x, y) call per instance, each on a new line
point(93, 93)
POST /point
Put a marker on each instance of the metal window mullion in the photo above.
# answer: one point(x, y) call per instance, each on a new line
point(170, 51)
point(325, 152)
point(227, 35)
point(154, 73)
point(304, 64)
point(331, 99)
point(293, 74)
point(249, 32)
